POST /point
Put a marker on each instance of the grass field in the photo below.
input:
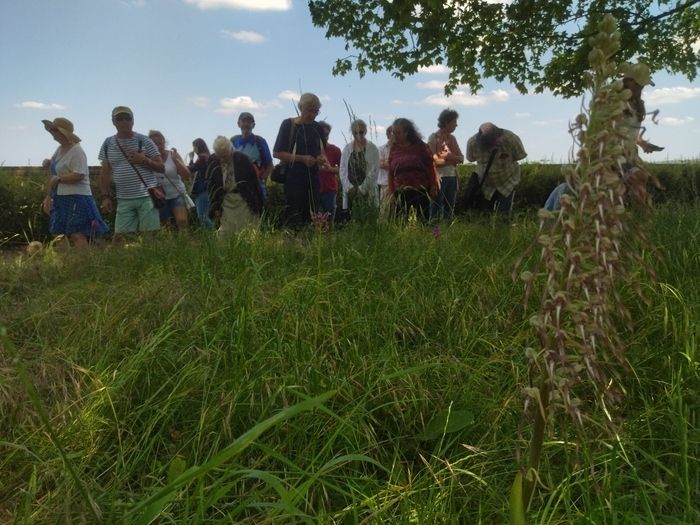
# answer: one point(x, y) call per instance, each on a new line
point(372, 375)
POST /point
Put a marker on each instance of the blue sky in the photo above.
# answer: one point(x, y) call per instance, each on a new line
point(189, 67)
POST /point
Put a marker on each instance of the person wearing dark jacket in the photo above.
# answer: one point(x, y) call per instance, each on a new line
point(234, 192)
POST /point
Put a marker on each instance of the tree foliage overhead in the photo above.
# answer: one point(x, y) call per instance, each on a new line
point(534, 44)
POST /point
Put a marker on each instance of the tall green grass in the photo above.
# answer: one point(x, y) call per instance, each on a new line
point(372, 375)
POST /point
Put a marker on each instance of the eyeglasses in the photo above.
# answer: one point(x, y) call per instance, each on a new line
point(122, 117)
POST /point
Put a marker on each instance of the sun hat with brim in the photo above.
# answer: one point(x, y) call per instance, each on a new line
point(637, 72)
point(63, 126)
point(122, 110)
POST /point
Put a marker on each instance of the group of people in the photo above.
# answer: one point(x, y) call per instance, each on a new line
point(229, 186)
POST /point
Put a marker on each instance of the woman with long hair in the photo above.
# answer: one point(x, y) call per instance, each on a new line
point(412, 177)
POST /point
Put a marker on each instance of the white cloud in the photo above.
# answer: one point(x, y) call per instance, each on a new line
point(247, 37)
point(500, 95)
point(670, 95)
point(32, 104)
point(231, 105)
point(243, 102)
point(252, 5)
point(521, 115)
point(431, 84)
point(288, 94)
point(134, 3)
point(435, 69)
point(463, 98)
point(676, 122)
point(397, 101)
point(200, 102)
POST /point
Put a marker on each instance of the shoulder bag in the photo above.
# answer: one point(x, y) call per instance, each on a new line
point(471, 192)
point(154, 192)
point(279, 172)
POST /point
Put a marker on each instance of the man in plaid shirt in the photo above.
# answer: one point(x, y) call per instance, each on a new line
point(504, 174)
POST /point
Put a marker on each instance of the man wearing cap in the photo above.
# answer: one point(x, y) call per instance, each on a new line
point(503, 176)
point(131, 160)
point(254, 147)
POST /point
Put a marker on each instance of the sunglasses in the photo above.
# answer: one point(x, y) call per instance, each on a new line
point(122, 117)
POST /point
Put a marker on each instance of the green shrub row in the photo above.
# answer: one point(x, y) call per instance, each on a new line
point(22, 191)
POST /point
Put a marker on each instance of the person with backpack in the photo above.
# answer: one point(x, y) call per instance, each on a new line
point(131, 160)
point(255, 148)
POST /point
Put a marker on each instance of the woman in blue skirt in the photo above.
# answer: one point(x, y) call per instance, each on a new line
point(69, 202)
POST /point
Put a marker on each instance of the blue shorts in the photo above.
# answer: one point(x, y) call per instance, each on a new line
point(170, 204)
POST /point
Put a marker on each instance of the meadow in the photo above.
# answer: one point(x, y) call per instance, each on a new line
point(374, 374)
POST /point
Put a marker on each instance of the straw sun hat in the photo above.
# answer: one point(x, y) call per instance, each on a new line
point(63, 126)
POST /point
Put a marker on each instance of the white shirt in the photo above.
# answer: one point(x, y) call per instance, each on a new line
point(170, 179)
point(369, 185)
point(74, 160)
point(383, 175)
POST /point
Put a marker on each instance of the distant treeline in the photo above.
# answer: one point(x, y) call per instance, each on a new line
point(22, 190)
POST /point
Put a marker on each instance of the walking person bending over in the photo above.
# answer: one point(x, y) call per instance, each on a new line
point(128, 157)
point(504, 175)
point(236, 199)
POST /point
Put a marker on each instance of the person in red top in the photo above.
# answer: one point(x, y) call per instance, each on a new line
point(329, 175)
point(412, 175)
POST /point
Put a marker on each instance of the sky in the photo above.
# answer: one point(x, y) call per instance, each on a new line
point(189, 67)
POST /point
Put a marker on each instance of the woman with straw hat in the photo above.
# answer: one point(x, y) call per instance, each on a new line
point(69, 202)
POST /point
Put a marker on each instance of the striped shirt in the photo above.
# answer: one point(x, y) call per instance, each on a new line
point(126, 181)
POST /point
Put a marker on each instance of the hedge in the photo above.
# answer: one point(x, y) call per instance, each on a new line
point(22, 191)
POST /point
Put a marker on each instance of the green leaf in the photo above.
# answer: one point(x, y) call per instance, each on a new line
point(447, 422)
